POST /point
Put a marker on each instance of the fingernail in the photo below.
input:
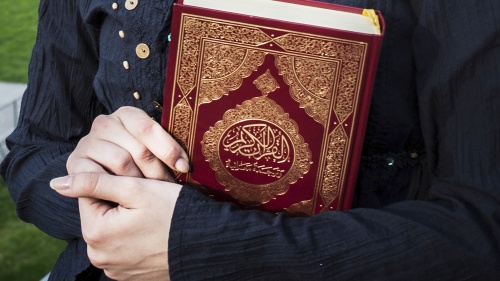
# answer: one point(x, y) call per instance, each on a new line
point(61, 183)
point(182, 165)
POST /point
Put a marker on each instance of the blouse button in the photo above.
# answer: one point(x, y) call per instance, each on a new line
point(157, 106)
point(390, 161)
point(114, 6)
point(142, 50)
point(131, 4)
point(121, 34)
point(137, 95)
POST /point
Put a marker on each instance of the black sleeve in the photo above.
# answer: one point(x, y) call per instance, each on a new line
point(57, 110)
point(455, 235)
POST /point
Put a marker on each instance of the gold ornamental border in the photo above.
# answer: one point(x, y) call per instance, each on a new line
point(350, 55)
point(259, 108)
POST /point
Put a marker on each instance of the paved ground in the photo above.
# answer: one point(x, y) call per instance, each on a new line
point(11, 91)
point(10, 101)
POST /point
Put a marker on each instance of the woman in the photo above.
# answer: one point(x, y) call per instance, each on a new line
point(432, 135)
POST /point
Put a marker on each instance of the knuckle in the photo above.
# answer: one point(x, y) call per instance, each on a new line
point(114, 275)
point(97, 258)
point(90, 184)
point(143, 154)
point(145, 126)
point(71, 163)
point(122, 160)
point(100, 121)
point(93, 236)
point(124, 110)
point(78, 151)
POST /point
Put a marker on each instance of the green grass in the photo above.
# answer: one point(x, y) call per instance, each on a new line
point(18, 21)
point(26, 253)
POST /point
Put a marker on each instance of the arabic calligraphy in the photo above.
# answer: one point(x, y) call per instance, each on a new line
point(255, 167)
point(257, 141)
point(256, 151)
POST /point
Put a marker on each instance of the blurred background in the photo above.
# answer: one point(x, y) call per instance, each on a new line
point(26, 253)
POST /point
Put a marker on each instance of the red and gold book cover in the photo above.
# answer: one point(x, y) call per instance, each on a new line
point(272, 114)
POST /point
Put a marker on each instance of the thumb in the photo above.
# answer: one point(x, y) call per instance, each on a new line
point(96, 185)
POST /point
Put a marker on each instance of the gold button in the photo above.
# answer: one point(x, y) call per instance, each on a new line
point(115, 6)
point(126, 65)
point(142, 51)
point(131, 4)
point(137, 95)
point(414, 155)
point(121, 34)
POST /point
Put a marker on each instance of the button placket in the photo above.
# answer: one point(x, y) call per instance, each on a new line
point(142, 50)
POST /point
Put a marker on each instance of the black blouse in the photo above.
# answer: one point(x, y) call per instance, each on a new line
point(428, 192)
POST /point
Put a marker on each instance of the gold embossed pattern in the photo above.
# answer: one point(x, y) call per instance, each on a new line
point(197, 29)
point(323, 75)
point(223, 69)
point(288, 157)
point(350, 55)
point(266, 83)
point(182, 119)
point(311, 83)
point(337, 142)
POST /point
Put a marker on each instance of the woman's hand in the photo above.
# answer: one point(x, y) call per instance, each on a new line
point(119, 172)
point(129, 241)
point(128, 143)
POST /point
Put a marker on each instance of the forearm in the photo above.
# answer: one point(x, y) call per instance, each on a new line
point(453, 241)
point(57, 109)
point(27, 172)
point(453, 236)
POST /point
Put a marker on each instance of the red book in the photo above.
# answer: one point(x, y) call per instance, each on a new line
point(272, 111)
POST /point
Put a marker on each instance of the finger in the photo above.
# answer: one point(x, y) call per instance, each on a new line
point(118, 189)
point(81, 164)
point(111, 129)
point(154, 137)
point(92, 152)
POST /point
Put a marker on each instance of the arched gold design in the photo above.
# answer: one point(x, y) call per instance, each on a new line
point(350, 57)
point(311, 83)
point(198, 28)
point(223, 69)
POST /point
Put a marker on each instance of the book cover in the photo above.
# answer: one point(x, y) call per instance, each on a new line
point(271, 113)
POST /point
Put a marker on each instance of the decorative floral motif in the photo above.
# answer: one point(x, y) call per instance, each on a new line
point(350, 55)
point(323, 75)
point(311, 83)
point(182, 119)
point(223, 69)
point(198, 28)
point(337, 143)
point(266, 83)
